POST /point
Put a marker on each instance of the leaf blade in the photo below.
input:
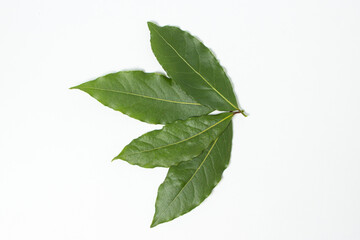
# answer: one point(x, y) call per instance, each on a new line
point(175, 142)
point(193, 66)
point(176, 197)
point(148, 97)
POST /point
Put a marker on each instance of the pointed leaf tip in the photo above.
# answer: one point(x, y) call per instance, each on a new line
point(153, 224)
point(151, 24)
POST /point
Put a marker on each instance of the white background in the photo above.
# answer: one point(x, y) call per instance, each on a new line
point(294, 172)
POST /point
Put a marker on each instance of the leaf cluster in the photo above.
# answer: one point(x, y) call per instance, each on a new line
point(194, 144)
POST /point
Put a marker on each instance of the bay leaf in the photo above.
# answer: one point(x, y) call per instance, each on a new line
point(148, 97)
point(175, 142)
point(189, 183)
point(193, 66)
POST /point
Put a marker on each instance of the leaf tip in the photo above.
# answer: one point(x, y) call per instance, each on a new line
point(154, 223)
point(116, 158)
point(120, 156)
point(151, 24)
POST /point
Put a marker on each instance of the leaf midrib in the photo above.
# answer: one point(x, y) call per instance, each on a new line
point(144, 96)
point(192, 68)
point(184, 140)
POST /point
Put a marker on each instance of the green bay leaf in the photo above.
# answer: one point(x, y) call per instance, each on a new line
point(193, 66)
point(189, 183)
point(148, 97)
point(175, 142)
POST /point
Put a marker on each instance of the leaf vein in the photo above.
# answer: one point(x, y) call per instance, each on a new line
point(184, 140)
point(144, 96)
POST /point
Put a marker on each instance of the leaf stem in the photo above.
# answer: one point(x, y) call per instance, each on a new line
point(242, 111)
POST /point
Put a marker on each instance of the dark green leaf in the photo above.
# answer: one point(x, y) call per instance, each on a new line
point(149, 97)
point(193, 66)
point(176, 142)
point(189, 183)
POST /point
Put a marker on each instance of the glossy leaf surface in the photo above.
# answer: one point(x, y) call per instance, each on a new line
point(189, 183)
point(193, 66)
point(148, 97)
point(176, 142)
